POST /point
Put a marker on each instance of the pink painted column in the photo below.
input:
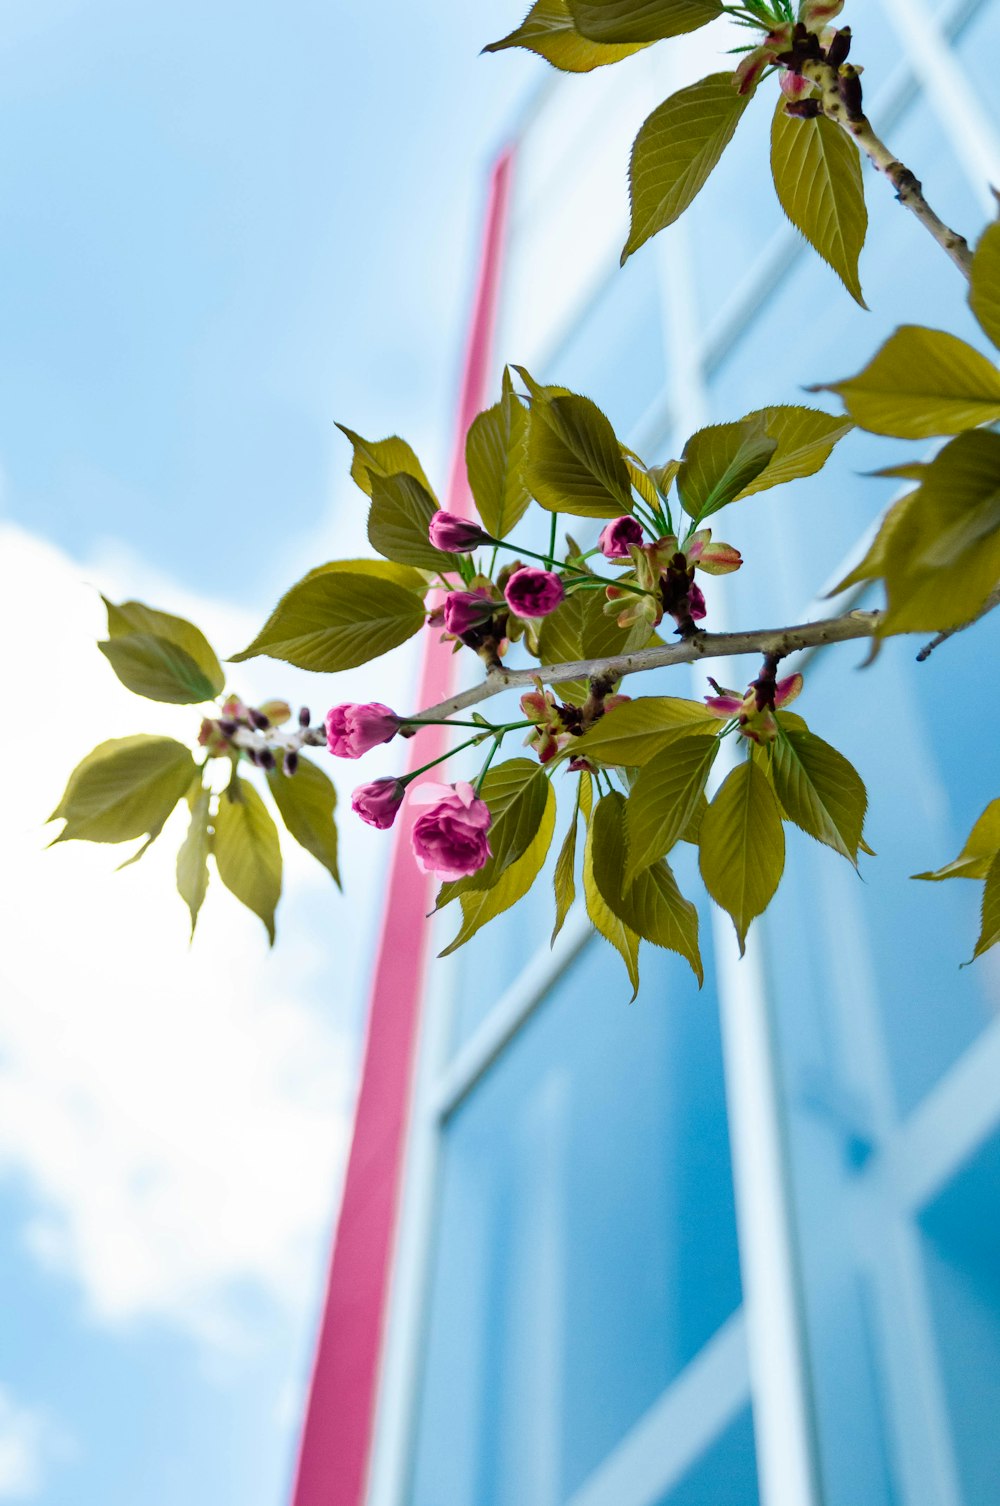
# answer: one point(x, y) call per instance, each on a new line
point(340, 1413)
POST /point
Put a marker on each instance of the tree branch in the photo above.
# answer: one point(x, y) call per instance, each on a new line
point(780, 641)
point(908, 188)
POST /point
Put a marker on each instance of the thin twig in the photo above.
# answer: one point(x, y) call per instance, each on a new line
point(992, 601)
point(909, 191)
point(781, 641)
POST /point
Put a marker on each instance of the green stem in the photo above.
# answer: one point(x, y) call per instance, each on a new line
point(552, 542)
point(406, 779)
point(498, 739)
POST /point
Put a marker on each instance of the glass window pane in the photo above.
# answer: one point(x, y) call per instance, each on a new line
point(587, 1246)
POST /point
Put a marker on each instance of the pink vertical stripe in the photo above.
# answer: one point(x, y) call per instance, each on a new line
point(338, 1427)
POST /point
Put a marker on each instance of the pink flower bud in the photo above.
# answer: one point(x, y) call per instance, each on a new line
point(449, 838)
point(697, 610)
point(533, 593)
point(466, 610)
point(617, 536)
point(378, 802)
point(455, 535)
point(351, 730)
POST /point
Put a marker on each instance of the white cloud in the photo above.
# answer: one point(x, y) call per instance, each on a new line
point(27, 1442)
point(179, 1114)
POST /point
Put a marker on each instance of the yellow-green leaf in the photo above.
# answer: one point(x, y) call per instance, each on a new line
point(306, 801)
point(720, 462)
point(742, 849)
point(403, 575)
point(398, 521)
point(482, 905)
point(641, 20)
point(635, 732)
point(247, 853)
point(989, 933)
point(125, 788)
point(134, 617)
point(549, 31)
point(675, 151)
point(977, 855)
point(192, 857)
point(158, 669)
point(515, 794)
point(653, 906)
point(665, 799)
point(804, 438)
point(336, 620)
point(819, 790)
point(581, 629)
point(496, 451)
point(922, 382)
point(604, 920)
point(564, 878)
point(984, 294)
point(574, 461)
point(382, 457)
point(817, 177)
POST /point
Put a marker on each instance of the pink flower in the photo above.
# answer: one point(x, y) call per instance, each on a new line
point(378, 802)
point(449, 838)
point(455, 535)
point(533, 593)
point(617, 536)
point(466, 610)
point(351, 730)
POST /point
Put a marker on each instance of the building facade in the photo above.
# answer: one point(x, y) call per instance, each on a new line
point(741, 1245)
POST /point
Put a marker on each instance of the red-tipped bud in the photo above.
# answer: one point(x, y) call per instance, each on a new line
point(455, 535)
point(378, 802)
point(533, 593)
point(351, 730)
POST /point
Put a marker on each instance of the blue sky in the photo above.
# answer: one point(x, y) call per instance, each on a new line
point(224, 227)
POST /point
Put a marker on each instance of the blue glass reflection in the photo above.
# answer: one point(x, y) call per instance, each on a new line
point(726, 1475)
point(962, 1261)
point(587, 1245)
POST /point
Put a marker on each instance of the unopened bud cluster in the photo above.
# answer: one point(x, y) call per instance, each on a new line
point(256, 732)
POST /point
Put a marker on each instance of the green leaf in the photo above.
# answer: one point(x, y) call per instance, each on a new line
point(515, 794)
point(398, 520)
point(336, 620)
point(804, 437)
point(403, 575)
point(641, 20)
point(581, 629)
point(676, 150)
point(632, 734)
point(984, 295)
point(247, 853)
point(192, 857)
point(548, 30)
point(564, 878)
point(604, 920)
point(922, 382)
point(722, 461)
point(939, 548)
point(496, 451)
point(982, 846)
point(306, 800)
point(133, 617)
point(653, 907)
point(125, 788)
point(989, 933)
point(157, 669)
point(665, 799)
point(819, 790)
point(817, 177)
point(575, 462)
point(382, 457)
point(640, 477)
point(484, 905)
point(742, 850)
